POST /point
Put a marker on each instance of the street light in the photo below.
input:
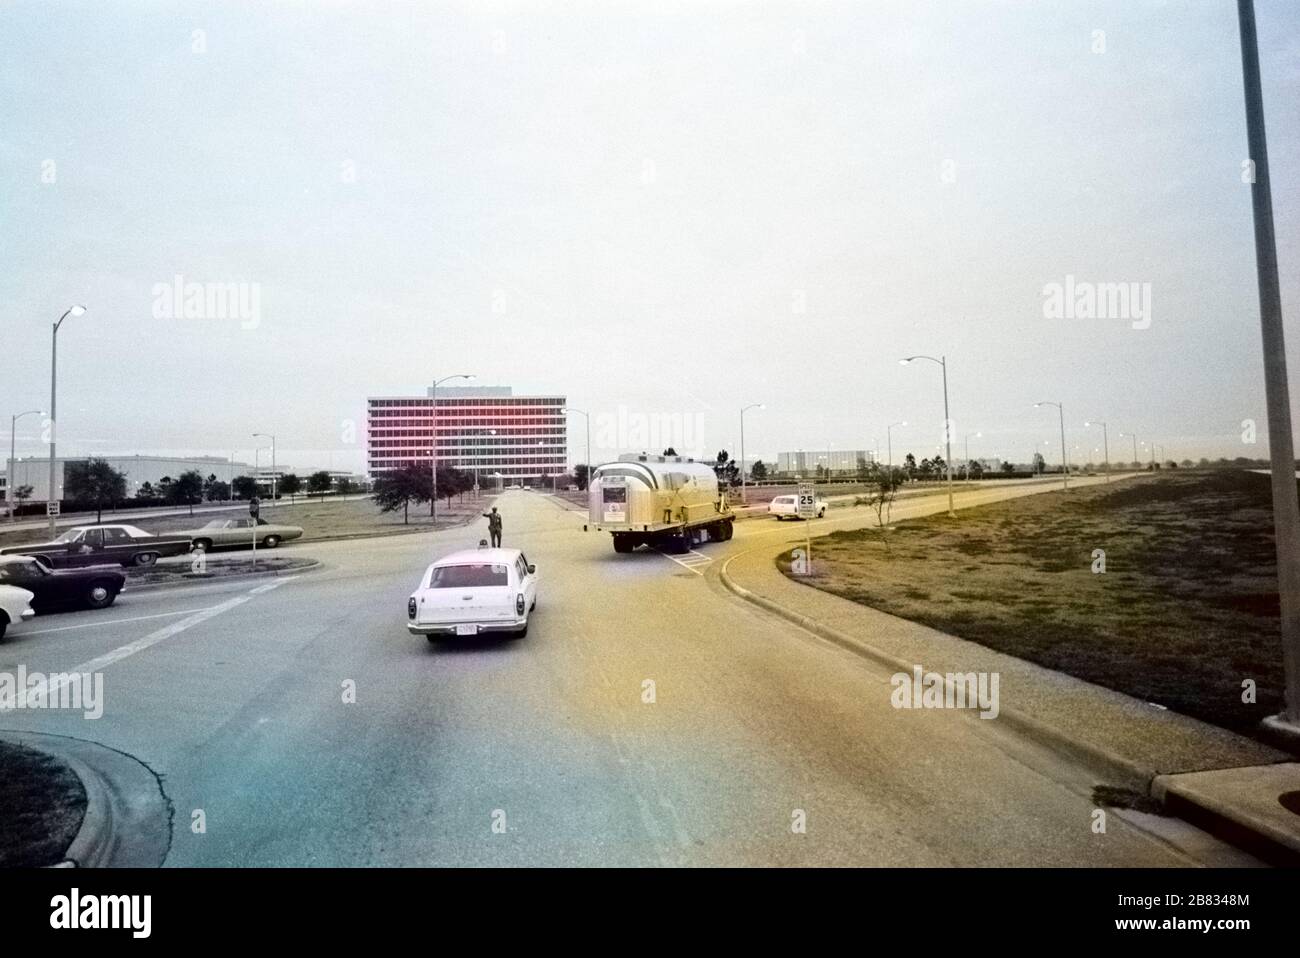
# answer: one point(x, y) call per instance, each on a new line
point(1134, 437)
point(743, 486)
point(9, 482)
point(1065, 462)
point(1105, 441)
point(54, 378)
point(889, 442)
point(947, 420)
point(433, 451)
point(587, 481)
point(267, 435)
point(966, 466)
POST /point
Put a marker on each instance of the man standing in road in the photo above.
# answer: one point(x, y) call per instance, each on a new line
point(494, 526)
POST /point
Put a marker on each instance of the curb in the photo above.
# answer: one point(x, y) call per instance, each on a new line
point(127, 823)
point(236, 577)
point(1112, 764)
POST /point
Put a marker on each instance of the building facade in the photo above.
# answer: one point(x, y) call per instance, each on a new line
point(35, 471)
point(485, 430)
point(838, 462)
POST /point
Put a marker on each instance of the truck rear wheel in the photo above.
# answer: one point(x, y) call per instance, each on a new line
point(623, 543)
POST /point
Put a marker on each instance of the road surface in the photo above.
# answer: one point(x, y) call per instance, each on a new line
point(545, 750)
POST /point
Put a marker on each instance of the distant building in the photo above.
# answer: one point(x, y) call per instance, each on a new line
point(35, 471)
point(485, 430)
point(836, 462)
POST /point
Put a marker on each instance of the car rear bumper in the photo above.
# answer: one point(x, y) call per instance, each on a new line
point(450, 628)
point(28, 613)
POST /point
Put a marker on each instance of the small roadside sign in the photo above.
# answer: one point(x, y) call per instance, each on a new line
point(807, 501)
point(52, 508)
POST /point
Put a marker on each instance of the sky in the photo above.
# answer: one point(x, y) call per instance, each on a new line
point(663, 211)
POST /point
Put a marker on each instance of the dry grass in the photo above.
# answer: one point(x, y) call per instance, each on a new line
point(1185, 612)
point(42, 803)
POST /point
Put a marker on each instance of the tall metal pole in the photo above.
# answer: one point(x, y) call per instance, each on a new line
point(12, 466)
point(1065, 461)
point(433, 458)
point(1286, 506)
point(54, 418)
point(947, 431)
point(743, 484)
point(1105, 443)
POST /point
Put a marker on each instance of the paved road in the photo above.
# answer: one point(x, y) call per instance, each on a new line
point(234, 694)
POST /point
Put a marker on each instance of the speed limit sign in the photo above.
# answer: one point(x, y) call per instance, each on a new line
point(807, 501)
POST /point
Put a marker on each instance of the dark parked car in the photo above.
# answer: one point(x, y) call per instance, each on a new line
point(95, 586)
point(99, 545)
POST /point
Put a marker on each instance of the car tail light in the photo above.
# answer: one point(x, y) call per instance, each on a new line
point(519, 604)
point(410, 608)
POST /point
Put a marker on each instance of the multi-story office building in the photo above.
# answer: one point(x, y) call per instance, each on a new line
point(833, 461)
point(485, 430)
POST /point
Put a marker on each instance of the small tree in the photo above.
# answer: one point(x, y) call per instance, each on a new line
point(1008, 467)
point(727, 471)
point(975, 468)
point(186, 489)
point(22, 494)
point(399, 488)
point(1039, 464)
point(758, 472)
point(94, 483)
point(245, 487)
point(145, 491)
point(670, 451)
point(880, 497)
point(218, 491)
point(581, 473)
point(319, 483)
point(909, 466)
point(290, 485)
point(345, 486)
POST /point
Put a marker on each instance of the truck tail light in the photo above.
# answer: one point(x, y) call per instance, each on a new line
point(519, 604)
point(410, 608)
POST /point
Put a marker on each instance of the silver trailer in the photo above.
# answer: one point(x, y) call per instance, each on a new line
point(665, 501)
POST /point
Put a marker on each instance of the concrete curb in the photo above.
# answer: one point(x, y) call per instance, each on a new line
point(207, 580)
point(1111, 764)
point(127, 823)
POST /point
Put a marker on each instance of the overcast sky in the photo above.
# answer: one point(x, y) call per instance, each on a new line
point(662, 215)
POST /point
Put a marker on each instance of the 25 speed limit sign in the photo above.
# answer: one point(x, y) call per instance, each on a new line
point(807, 501)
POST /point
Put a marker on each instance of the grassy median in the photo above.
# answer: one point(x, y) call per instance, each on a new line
point(1185, 612)
point(42, 803)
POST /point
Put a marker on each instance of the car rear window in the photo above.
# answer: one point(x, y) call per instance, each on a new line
point(466, 576)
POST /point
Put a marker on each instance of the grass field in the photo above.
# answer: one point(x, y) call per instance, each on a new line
point(1186, 610)
point(42, 803)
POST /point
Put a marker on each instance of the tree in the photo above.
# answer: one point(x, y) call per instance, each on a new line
point(186, 489)
point(22, 494)
point(670, 451)
point(399, 488)
point(1008, 467)
point(290, 485)
point(320, 483)
point(880, 497)
point(758, 471)
point(975, 468)
point(727, 471)
point(581, 472)
point(909, 465)
point(218, 491)
point(1039, 464)
point(245, 487)
point(94, 483)
point(145, 491)
point(345, 486)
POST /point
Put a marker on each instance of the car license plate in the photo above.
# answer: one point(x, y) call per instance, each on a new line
point(467, 630)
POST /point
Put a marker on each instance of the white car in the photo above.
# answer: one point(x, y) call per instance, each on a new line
point(15, 606)
point(473, 592)
point(783, 506)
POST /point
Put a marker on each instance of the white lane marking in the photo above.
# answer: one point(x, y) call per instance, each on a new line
point(102, 622)
point(46, 688)
point(692, 561)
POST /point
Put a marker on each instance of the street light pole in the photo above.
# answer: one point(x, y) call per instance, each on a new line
point(54, 378)
point(9, 480)
point(889, 443)
point(433, 445)
point(1105, 443)
point(966, 465)
point(1286, 509)
point(743, 484)
point(947, 420)
point(587, 418)
point(1065, 462)
point(267, 435)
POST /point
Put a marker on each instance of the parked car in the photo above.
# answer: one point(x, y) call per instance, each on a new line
point(473, 592)
point(96, 545)
point(15, 606)
point(95, 586)
point(239, 532)
point(783, 506)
